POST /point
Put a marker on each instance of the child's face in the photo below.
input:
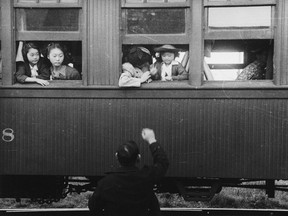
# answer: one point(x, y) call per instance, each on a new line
point(56, 57)
point(33, 56)
point(168, 57)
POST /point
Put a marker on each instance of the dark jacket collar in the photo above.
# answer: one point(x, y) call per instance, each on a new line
point(124, 169)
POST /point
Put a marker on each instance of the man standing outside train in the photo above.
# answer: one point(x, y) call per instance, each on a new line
point(129, 190)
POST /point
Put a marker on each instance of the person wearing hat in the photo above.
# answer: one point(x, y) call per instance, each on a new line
point(129, 190)
point(168, 69)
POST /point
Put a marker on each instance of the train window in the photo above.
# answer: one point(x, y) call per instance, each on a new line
point(70, 66)
point(240, 21)
point(239, 40)
point(67, 19)
point(240, 59)
point(155, 21)
point(152, 23)
point(223, 17)
point(36, 23)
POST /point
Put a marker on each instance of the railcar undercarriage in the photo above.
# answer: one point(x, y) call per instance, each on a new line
point(47, 189)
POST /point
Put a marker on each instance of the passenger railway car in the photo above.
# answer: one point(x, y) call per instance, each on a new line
point(217, 130)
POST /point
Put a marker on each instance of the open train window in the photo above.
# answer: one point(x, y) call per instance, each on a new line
point(239, 59)
point(153, 23)
point(52, 22)
point(239, 40)
point(72, 57)
point(182, 57)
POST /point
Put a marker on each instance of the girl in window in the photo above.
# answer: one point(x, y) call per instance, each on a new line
point(56, 54)
point(168, 69)
point(33, 69)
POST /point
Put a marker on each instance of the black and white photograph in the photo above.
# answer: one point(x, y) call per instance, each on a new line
point(143, 107)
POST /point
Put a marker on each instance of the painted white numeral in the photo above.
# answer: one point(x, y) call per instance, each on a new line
point(8, 135)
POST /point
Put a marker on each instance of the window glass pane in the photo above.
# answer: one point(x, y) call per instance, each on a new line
point(155, 21)
point(67, 19)
point(239, 17)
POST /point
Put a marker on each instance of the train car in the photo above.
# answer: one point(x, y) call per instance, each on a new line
point(216, 128)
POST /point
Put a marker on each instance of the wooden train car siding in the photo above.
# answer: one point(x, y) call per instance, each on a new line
point(104, 42)
point(210, 137)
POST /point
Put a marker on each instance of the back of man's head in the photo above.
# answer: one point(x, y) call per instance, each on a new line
point(128, 153)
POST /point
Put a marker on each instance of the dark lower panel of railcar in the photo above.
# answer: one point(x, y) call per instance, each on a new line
point(204, 136)
point(52, 188)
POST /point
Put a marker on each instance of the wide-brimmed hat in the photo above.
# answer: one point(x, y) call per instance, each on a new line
point(167, 48)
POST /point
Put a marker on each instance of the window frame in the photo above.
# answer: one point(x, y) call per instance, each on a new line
point(193, 14)
point(246, 33)
point(180, 38)
point(50, 35)
point(239, 33)
point(11, 36)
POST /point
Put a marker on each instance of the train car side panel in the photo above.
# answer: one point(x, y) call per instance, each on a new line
point(212, 137)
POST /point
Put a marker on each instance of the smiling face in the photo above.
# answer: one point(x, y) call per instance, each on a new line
point(33, 56)
point(56, 57)
point(167, 57)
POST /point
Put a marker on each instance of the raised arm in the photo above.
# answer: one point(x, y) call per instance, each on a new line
point(160, 159)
